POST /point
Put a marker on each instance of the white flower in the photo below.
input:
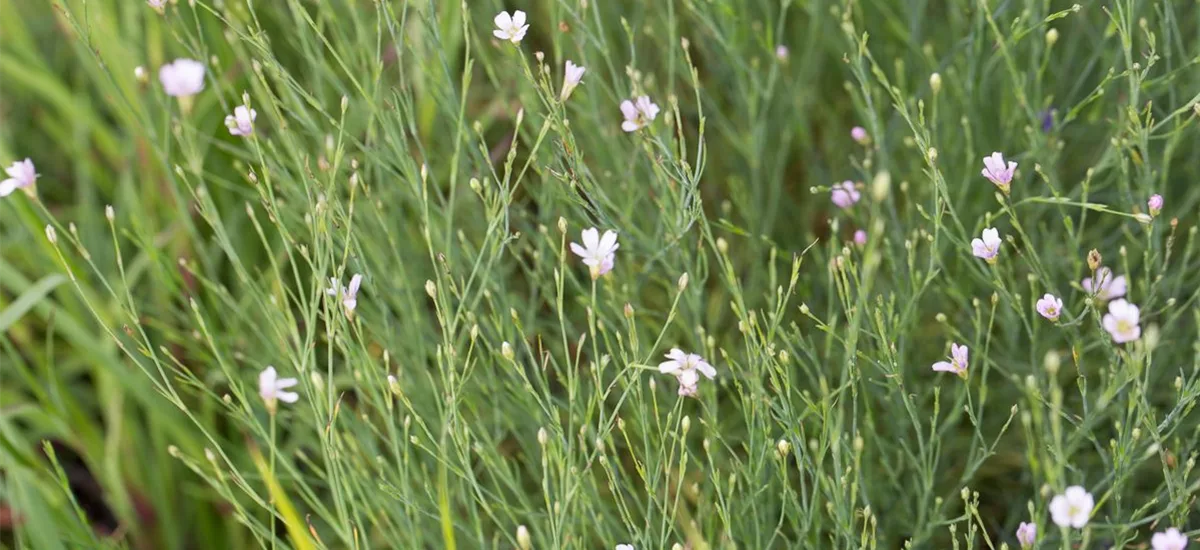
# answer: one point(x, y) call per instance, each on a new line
point(687, 368)
point(1072, 508)
point(630, 547)
point(1121, 321)
point(349, 295)
point(638, 113)
point(572, 76)
point(1171, 539)
point(270, 387)
point(182, 78)
point(598, 253)
point(159, 5)
point(241, 122)
point(987, 247)
point(510, 27)
point(21, 175)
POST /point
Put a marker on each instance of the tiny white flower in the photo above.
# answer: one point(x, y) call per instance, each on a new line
point(510, 27)
point(241, 122)
point(1171, 539)
point(625, 547)
point(687, 368)
point(638, 113)
point(159, 5)
point(598, 252)
point(139, 73)
point(21, 175)
point(1072, 508)
point(271, 388)
point(1121, 321)
point(348, 295)
point(182, 77)
point(572, 77)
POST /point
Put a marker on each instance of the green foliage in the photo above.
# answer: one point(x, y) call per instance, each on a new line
point(401, 141)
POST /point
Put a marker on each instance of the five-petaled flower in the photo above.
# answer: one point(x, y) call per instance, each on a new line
point(1072, 508)
point(1027, 535)
point(348, 294)
point(1121, 321)
point(598, 252)
point(21, 175)
point(1050, 306)
point(510, 27)
point(182, 77)
point(638, 113)
point(1171, 539)
point(271, 388)
point(1001, 173)
point(1108, 288)
point(572, 76)
point(844, 194)
point(1155, 205)
point(241, 122)
point(988, 246)
point(686, 368)
point(957, 363)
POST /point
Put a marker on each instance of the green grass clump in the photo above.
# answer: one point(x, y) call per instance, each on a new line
point(487, 391)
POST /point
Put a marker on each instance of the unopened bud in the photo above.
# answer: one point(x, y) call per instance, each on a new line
point(683, 281)
point(523, 540)
point(431, 289)
point(507, 351)
point(1094, 259)
point(1051, 37)
point(935, 83)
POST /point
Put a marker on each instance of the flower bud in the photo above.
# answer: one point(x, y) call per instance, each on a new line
point(523, 540)
point(507, 351)
point(1094, 259)
point(1051, 37)
point(935, 83)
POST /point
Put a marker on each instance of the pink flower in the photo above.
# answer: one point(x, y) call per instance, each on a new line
point(241, 122)
point(860, 237)
point(1121, 321)
point(1027, 535)
point(844, 194)
point(182, 77)
point(781, 53)
point(1001, 174)
point(598, 252)
point(1050, 306)
point(1109, 287)
point(957, 363)
point(21, 175)
point(859, 134)
point(987, 247)
point(638, 113)
point(1171, 539)
point(687, 368)
point(1155, 205)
